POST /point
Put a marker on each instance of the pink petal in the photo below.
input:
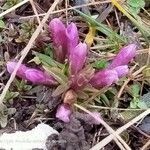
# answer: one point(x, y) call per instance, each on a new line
point(77, 58)
point(125, 55)
point(39, 77)
point(59, 38)
point(33, 75)
point(72, 36)
point(21, 71)
point(63, 113)
point(122, 70)
point(104, 78)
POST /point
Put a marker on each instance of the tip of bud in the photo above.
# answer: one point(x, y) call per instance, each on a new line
point(21, 70)
point(124, 56)
point(131, 46)
point(55, 23)
point(104, 78)
point(11, 66)
point(35, 76)
point(63, 113)
point(77, 58)
point(122, 70)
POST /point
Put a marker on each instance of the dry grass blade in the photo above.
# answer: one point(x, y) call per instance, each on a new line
point(148, 58)
point(120, 143)
point(120, 130)
point(26, 50)
point(71, 8)
point(114, 108)
point(35, 11)
point(13, 8)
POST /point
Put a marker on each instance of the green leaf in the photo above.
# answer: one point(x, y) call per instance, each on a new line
point(2, 24)
point(46, 60)
point(142, 105)
point(22, 85)
point(4, 112)
point(36, 60)
point(133, 103)
point(146, 74)
point(135, 6)
point(100, 64)
point(11, 95)
point(129, 114)
point(143, 102)
point(10, 3)
point(101, 27)
point(105, 100)
point(146, 99)
point(57, 74)
point(3, 121)
point(136, 3)
point(135, 89)
point(48, 51)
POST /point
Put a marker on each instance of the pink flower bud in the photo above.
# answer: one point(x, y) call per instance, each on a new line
point(72, 37)
point(64, 39)
point(63, 113)
point(125, 55)
point(58, 32)
point(20, 72)
point(122, 70)
point(104, 78)
point(77, 58)
point(39, 77)
point(33, 75)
